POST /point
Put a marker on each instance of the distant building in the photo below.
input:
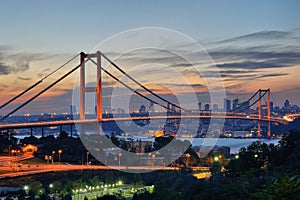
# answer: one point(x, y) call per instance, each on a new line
point(206, 107)
point(286, 104)
point(235, 103)
point(142, 109)
point(227, 105)
point(271, 106)
point(199, 106)
point(72, 109)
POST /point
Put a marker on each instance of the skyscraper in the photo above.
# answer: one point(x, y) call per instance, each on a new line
point(227, 105)
point(199, 106)
point(206, 107)
point(271, 106)
point(286, 104)
point(235, 104)
point(72, 109)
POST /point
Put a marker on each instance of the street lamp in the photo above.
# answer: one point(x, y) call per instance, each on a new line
point(120, 154)
point(53, 152)
point(59, 152)
point(216, 159)
point(153, 156)
point(87, 158)
point(26, 188)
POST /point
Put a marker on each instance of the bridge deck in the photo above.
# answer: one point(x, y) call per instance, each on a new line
point(87, 121)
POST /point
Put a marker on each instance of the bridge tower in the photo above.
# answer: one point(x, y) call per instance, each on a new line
point(260, 106)
point(83, 89)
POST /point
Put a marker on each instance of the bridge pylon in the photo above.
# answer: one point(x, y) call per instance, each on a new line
point(260, 106)
point(83, 88)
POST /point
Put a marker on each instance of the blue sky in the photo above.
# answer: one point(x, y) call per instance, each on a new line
point(73, 25)
point(256, 38)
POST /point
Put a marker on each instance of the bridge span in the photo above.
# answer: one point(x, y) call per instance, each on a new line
point(93, 121)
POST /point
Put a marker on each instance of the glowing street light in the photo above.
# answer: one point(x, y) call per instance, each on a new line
point(153, 157)
point(53, 152)
point(216, 158)
point(237, 156)
point(59, 152)
point(87, 158)
point(120, 154)
point(26, 188)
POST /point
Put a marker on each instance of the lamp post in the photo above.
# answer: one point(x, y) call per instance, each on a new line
point(120, 154)
point(153, 156)
point(216, 158)
point(53, 152)
point(87, 158)
point(26, 188)
point(59, 152)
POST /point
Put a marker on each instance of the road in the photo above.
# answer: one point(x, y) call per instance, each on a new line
point(15, 169)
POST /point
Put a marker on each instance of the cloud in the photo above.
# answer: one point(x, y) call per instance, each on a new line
point(11, 63)
point(273, 75)
point(24, 79)
point(4, 69)
point(262, 35)
point(249, 65)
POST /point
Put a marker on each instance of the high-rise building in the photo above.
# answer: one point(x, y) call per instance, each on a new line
point(206, 107)
point(235, 103)
point(142, 109)
point(199, 106)
point(286, 104)
point(227, 105)
point(72, 109)
point(271, 106)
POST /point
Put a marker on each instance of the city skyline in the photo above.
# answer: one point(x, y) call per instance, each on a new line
point(252, 50)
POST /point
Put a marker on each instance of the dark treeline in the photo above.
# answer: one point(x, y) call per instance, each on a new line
point(259, 171)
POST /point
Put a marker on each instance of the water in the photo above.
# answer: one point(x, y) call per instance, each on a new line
point(234, 143)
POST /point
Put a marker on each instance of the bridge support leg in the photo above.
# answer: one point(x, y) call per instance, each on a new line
point(31, 132)
point(82, 85)
point(71, 130)
point(259, 115)
point(99, 87)
point(269, 113)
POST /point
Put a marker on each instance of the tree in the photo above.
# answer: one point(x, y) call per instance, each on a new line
point(283, 188)
point(37, 188)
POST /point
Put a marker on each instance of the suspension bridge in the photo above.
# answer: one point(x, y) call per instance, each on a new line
point(174, 111)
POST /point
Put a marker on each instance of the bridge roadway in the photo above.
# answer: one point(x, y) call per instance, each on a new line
point(87, 121)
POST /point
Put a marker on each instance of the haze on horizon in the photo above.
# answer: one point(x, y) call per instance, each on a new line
point(254, 44)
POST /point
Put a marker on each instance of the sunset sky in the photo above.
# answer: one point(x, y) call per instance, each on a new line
point(254, 44)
